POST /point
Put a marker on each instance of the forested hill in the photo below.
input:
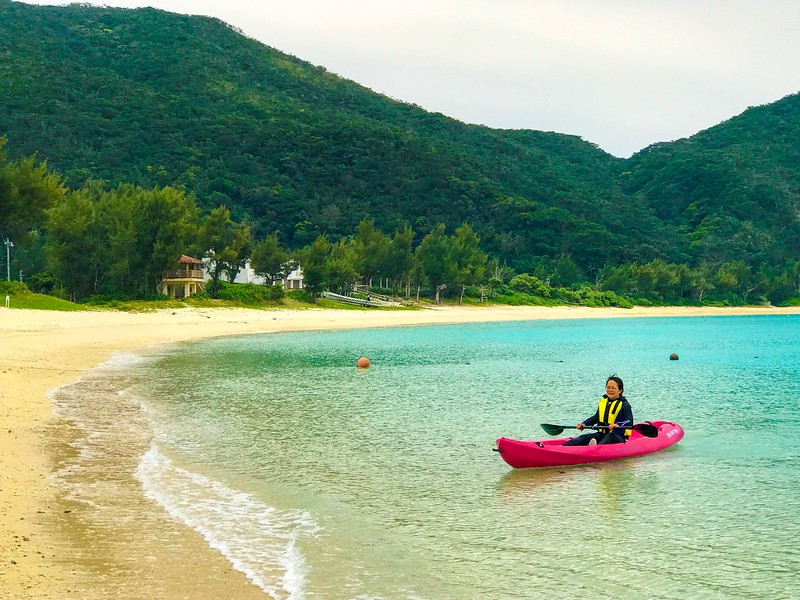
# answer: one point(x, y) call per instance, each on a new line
point(154, 98)
point(734, 188)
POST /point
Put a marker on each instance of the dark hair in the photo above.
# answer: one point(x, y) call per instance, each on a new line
point(618, 381)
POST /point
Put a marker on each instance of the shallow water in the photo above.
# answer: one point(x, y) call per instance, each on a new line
point(319, 480)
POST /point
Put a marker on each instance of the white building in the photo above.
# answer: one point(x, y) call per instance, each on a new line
point(293, 281)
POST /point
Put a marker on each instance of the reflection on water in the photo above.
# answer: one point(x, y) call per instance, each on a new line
point(612, 474)
point(615, 483)
point(611, 484)
point(518, 485)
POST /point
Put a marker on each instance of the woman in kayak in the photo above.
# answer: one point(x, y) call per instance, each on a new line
point(613, 414)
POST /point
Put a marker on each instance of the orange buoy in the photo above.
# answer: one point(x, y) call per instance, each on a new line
point(363, 363)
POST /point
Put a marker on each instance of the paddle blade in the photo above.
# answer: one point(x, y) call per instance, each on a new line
point(646, 429)
point(552, 429)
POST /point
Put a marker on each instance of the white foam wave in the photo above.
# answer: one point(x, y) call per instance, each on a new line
point(120, 360)
point(259, 540)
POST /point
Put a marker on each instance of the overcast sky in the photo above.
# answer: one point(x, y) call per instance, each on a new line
point(622, 74)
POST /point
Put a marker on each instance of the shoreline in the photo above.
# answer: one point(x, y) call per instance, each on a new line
point(44, 350)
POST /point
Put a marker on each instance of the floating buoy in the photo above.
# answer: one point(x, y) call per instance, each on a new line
point(673, 356)
point(363, 363)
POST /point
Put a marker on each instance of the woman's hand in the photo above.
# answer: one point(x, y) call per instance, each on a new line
point(579, 426)
point(611, 427)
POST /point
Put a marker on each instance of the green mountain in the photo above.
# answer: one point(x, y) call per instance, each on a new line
point(733, 189)
point(154, 98)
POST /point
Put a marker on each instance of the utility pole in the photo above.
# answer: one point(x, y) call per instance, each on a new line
point(9, 245)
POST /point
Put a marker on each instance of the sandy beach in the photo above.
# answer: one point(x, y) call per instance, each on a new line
point(44, 552)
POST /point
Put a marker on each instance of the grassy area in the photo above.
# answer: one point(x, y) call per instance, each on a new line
point(30, 300)
point(41, 302)
point(21, 297)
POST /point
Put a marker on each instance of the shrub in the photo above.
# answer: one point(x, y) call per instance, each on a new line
point(13, 287)
point(302, 296)
point(106, 299)
point(474, 291)
point(528, 284)
point(587, 296)
point(274, 292)
point(42, 283)
point(249, 293)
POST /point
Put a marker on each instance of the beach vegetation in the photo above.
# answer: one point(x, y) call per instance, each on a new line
point(43, 282)
point(250, 294)
point(433, 271)
point(300, 296)
point(121, 240)
point(269, 259)
point(314, 259)
point(529, 284)
point(13, 287)
point(43, 302)
point(20, 296)
point(227, 246)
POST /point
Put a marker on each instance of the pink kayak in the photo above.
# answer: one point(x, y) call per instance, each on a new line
point(552, 453)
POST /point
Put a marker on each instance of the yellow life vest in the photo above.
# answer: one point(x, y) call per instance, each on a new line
point(607, 411)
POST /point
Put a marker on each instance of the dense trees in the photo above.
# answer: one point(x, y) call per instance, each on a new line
point(400, 262)
point(731, 191)
point(119, 241)
point(433, 270)
point(438, 262)
point(730, 282)
point(269, 260)
point(227, 146)
point(27, 190)
point(286, 146)
point(227, 245)
point(74, 251)
point(467, 259)
point(314, 259)
point(372, 249)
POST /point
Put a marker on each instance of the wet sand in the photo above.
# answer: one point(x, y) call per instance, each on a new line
point(50, 546)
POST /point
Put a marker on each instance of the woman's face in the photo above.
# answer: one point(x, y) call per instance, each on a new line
point(612, 390)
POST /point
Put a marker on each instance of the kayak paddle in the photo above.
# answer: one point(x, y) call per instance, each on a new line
point(645, 429)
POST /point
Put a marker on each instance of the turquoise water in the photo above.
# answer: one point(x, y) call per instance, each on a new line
point(319, 480)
